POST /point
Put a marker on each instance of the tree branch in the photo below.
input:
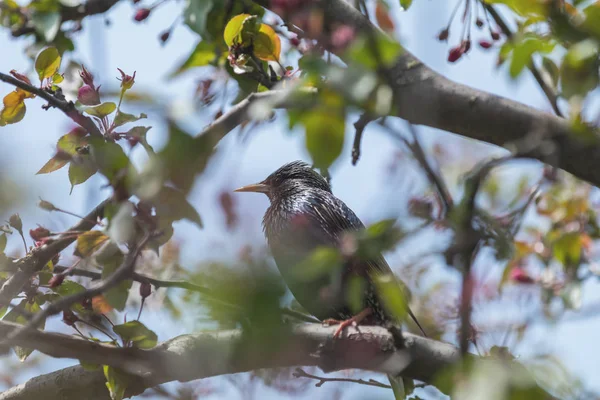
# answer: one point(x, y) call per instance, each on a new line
point(300, 373)
point(425, 97)
point(180, 284)
point(123, 272)
point(208, 354)
point(33, 262)
point(66, 107)
point(90, 7)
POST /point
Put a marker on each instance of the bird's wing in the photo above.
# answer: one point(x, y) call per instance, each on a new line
point(331, 218)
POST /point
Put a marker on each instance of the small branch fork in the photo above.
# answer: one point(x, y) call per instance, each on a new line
point(300, 373)
point(66, 107)
point(123, 272)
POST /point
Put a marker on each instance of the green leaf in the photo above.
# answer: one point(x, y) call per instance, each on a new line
point(324, 136)
point(14, 108)
point(47, 62)
point(123, 118)
point(137, 333)
point(88, 366)
point(109, 157)
point(362, 52)
point(579, 70)
point(204, 54)
point(116, 382)
point(195, 15)
point(89, 242)
point(3, 241)
point(47, 24)
point(392, 296)
point(16, 317)
point(110, 259)
point(171, 204)
point(526, 8)
point(267, 45)
point(70, 143)
point(3, 311)
point(53, 164)
point(80, 172)
point(321, 262)
point(100, 110)
point(552, 69)
point(567, 249)
point(525, 48)
point(405, 4)
point(68, 288)
point(233, 30)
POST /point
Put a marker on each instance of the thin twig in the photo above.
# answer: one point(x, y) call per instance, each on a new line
point(123, 272)
point(180, 284)
point(359, 126)
point(546, 88)
point(300, 373)
point(66, 107)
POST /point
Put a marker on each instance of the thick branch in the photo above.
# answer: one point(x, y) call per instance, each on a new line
point(33, 262)
point(90, 7)
point(425, 97)
point(203, 355)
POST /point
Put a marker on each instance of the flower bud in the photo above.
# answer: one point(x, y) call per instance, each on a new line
point(145, 289)
point(39, 233)
point(88, 96)
point(141, 14)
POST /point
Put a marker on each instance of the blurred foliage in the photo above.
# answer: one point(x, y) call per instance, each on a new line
point(242, 42)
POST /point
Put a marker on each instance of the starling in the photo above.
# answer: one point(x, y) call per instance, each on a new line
point(303, 216)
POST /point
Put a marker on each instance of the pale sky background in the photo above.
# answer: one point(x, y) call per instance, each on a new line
point(366, 188)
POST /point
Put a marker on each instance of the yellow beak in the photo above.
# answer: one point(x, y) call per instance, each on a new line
point(256, 187)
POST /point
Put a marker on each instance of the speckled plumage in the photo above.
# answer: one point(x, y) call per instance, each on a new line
point(303, 215)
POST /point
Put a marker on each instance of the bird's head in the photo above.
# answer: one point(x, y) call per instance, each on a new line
point(292, 175)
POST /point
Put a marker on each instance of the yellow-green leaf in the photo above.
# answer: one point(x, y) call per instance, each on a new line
point(53, 164)
point(47, 62)
point(137, 333)
point(116, 382)
point(240, 30)
point(80, 172)
point(324, 136)
point(88, 242)
point(100, 110)
point(405, 4)
point(267, 45)
point(57, 78)
point(14, 108)
point(204, 53)
point(123, 118)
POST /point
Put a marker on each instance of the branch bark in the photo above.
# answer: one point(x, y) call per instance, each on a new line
point(425, 97)
point(209, 354)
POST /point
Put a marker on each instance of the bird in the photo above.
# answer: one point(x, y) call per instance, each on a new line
point(304, 216)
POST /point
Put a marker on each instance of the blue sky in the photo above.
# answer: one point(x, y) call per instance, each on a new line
point(365, 188)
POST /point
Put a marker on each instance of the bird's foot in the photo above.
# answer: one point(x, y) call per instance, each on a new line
point(354, 321)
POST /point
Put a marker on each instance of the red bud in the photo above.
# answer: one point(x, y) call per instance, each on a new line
point(39, 233)
point(141, 14)
point(443, 35)
point(519, 275)
point(455, 53)
point(145, 289)
point(88, 96)
point(69, 317)
point(495, 35)
point(164, 36)
point(479, 23)
point(485, 44)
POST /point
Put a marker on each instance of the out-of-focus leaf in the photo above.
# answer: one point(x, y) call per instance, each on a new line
point(267, 45)
point(405, 4)
point(122, 226)
point(392, 296)
point(321, 262)
point(579, 70)
point(195, 15)
point(47, 62)
point(172, 204)
point(47, 25)
point(110, 158)
point(324, 135)
point(538, 9)
point(116, 382)
point(204, 54)
point(137, 333)
point(15, 316)
point(362, 52)
point(567, 249)
point(68, 288)
point(110, 258)
point(382, 15)
point(3, 241)
point(89, 242)
point(571, 296)
point(100, 305)
point(552, 69)
point(524, 48)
